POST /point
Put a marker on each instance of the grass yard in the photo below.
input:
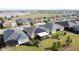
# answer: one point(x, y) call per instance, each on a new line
point(37, 15)
point(46, 44)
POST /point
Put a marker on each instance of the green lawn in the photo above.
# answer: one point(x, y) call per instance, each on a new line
point(37, 15)
point(47, 44)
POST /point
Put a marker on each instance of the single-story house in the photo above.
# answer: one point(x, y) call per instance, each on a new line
point(15, 36)
point(38, 20)
point(9, 23)
point(33, 31)
point(75, 29)
point(67, 24)
point(23, 21)
point(52, 27)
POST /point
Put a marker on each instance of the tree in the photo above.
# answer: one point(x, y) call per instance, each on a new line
point(12, 16)
point(2, 20)
point(55, 48)
point(1, 25)
point(19, 24)
point(57, 36)
point(68, 41)
point(37, 42)
point(45, 21)
point(2, 44)
point(9, 18)
point(31, 23)
point(65, 33)
point(5, 17)
point(58, 44)
point(49, 19)
point(44, 17)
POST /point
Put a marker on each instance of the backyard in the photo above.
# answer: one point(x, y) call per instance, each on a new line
point(46, 44)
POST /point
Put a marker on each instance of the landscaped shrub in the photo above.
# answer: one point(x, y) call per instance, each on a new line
point(19, 24)
point(37, 42)
point(64, 45)
point(55, 48)
point(68, 41)
point(58, 44)
point(31, 23)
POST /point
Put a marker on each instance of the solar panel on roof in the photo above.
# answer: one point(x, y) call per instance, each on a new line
point(39, 30)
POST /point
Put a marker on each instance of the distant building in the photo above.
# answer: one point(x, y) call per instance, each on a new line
point(38, 20)
point(67, 24)
point(9, 23)
point(23, 21)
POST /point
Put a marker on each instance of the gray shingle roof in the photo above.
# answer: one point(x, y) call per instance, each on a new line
point(47, 26)
point(23, 20)
point(11, 34)
point(77, 22)
point(51, 26)
point(33, 30)
point(67, 23)
point(39, 30)
point(75, 28)
point(73, 21)
point(29, 30)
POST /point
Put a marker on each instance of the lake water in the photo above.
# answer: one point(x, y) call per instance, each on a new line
point(12, 14)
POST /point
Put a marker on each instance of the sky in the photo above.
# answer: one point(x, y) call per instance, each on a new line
point(38, 4)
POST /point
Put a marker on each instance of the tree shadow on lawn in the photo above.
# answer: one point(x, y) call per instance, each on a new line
point(48, 49)
point(72, 31)
point(64, 47)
